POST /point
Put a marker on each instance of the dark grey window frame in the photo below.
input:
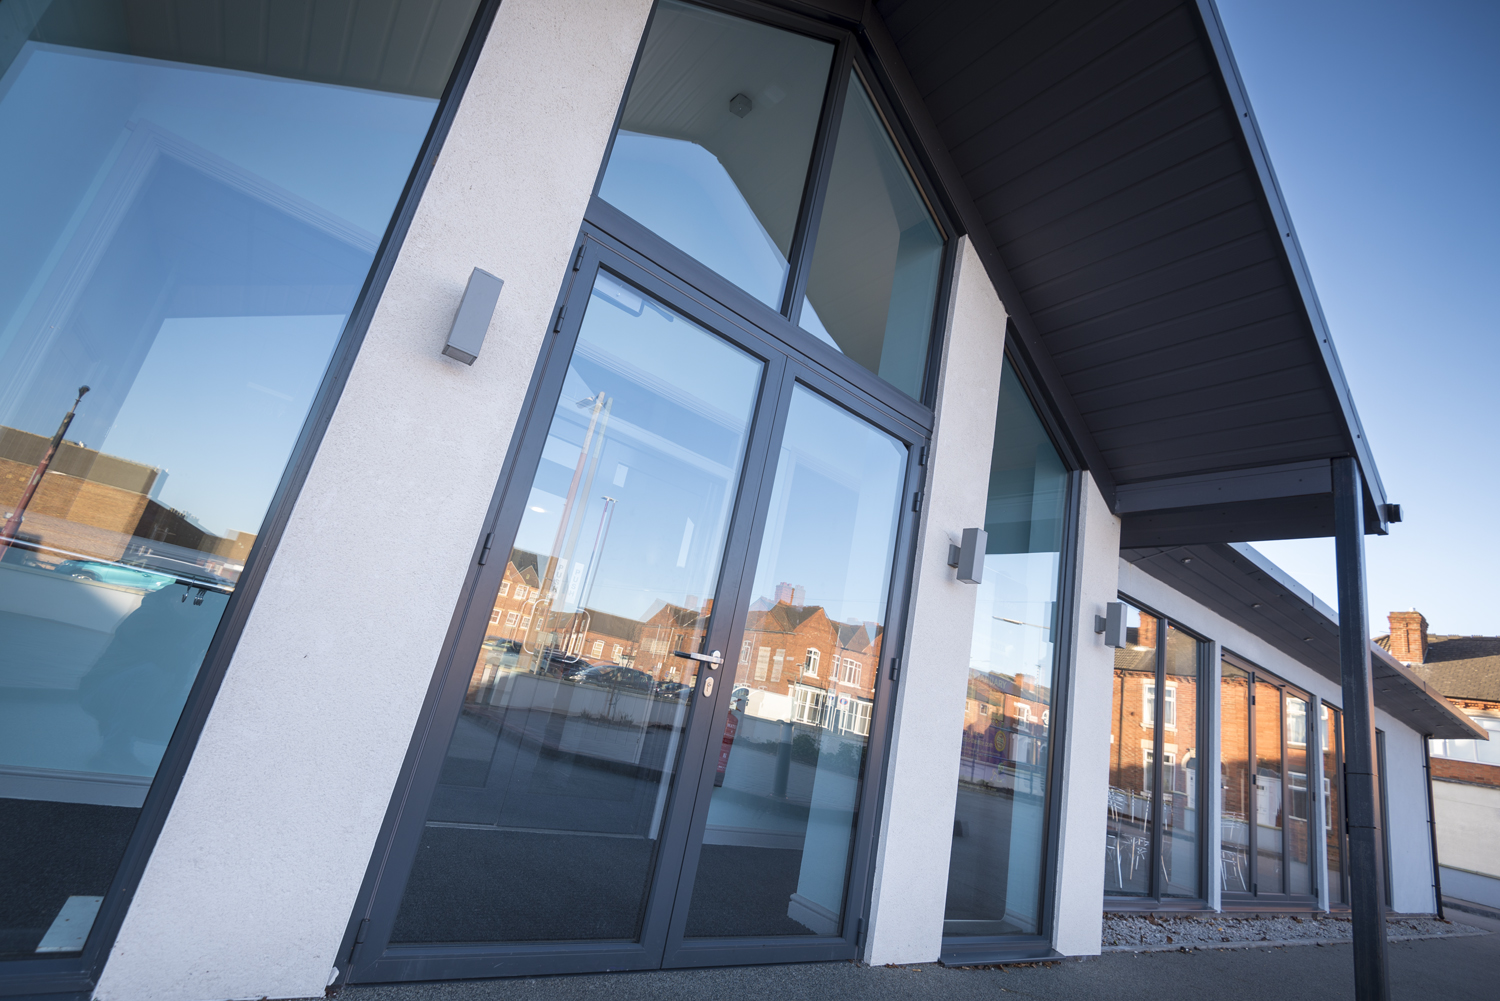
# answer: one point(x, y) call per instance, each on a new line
point(366, 954)
point(1280, 899)
point(1154, 899)
point(852, 53)
point(77, 976)
point(968, 950)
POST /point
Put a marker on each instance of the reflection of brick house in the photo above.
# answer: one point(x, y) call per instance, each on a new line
point(1005, 725)
point(515, 605)
point(1133, 723)
point(801, 665)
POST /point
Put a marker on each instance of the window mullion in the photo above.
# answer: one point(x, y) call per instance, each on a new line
point(800, 258)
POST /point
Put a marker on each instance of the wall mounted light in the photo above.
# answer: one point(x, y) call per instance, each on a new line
point(473, 319)
point(968, 556)
point(1112, 624)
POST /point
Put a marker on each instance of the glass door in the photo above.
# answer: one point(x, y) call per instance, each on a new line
point(610, 771)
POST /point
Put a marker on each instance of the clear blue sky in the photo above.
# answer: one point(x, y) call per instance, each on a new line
point(1383, 123)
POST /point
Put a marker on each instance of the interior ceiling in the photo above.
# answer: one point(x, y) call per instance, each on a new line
point(1123, 202)
point(399, 46)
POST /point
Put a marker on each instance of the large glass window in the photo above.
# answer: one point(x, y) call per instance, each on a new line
point(192, 201)
point(999, 830)
point(879, 255)
point(1266, 832)
point(1153, 844)
point(722, 130)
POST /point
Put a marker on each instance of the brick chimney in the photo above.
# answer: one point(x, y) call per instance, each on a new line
point(1408, 637)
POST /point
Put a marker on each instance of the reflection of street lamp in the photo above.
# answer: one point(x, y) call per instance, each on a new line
point(13, 523)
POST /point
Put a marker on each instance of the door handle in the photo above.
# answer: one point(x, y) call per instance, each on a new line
point(713, 660)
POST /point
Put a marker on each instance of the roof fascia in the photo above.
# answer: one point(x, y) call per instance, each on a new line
point(1296, 262)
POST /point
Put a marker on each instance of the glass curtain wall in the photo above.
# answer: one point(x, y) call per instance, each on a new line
point(1332, 735)
point(1266, 823)
point(192, 202)
point(722, 131)
point(999, 828)
point(1153, 846)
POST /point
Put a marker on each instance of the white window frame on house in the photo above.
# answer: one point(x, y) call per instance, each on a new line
point(810, 666)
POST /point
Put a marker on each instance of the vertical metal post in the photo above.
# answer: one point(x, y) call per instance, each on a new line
point(1437, 880)
point(1366, 872)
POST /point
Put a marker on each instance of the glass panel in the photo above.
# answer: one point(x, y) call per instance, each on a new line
point(995, 870)
point(1180, 849)
point(183, 239)
point(879, 254)
point(713, 150)
point(1132, 739)
point(1268, 797)
point(1235, 874)
point(1333, 806)
point(545, 822)
point(780, 831)
point(1298, 831)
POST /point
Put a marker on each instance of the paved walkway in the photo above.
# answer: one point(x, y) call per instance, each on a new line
point(1462, 968)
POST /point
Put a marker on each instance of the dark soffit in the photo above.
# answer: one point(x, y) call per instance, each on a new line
point(1116, 185)
point(1239, 583)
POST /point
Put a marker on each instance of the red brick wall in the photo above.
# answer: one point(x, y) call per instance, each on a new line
point(1466, 771)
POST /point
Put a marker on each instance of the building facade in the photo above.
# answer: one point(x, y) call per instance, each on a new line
point(633, 637)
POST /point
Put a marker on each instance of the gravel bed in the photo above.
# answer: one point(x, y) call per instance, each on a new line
point(1140, 931)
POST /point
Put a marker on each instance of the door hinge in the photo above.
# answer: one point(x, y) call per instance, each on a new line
point(359, 940)
point(484, 553)
point(916, 501)
point(578, 258)
point(859, 935)
point(922, 458)
point(562, 311)
point(895, 668)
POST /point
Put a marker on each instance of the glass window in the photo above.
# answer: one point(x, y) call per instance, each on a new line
point(183, 240)
point(872, 288)
point(1333, 807)
point(779, 838)
point(1154, 768)
point(1298, 832)
point(1235, 785)
point(713, 150)
point(1127, 838)
point(995, 868)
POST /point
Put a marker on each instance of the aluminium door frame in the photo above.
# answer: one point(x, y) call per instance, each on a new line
point(747, 950)
point(371, 956)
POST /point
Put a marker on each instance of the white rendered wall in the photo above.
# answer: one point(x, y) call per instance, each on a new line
point(1079, 902)
point(252, 882)
point(1411, 851)
point(910, 887)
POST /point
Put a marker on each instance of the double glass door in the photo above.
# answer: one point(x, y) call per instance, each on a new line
point(652, 743)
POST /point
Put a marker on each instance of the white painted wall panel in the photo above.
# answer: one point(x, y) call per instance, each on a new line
point(1079, 904)
point(1468, 818)
point(251, 885)
point(911, 874)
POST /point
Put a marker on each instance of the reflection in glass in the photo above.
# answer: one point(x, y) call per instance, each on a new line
point(1268, 794)
point(1333, 807)
point(1298, 839)
point(873, 285)
point(780, 832)
point(1179, 766)
point(1127, 839)
point(1236, 788)
point(184, 234)
point(713, 149)
point(546, 820)
point(995, 869)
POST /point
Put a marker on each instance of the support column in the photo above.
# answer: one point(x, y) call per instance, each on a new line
point(1366, 875)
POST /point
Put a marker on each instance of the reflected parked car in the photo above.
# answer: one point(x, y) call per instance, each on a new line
point(672, 690)
point(114, 573)
point(614, 676)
